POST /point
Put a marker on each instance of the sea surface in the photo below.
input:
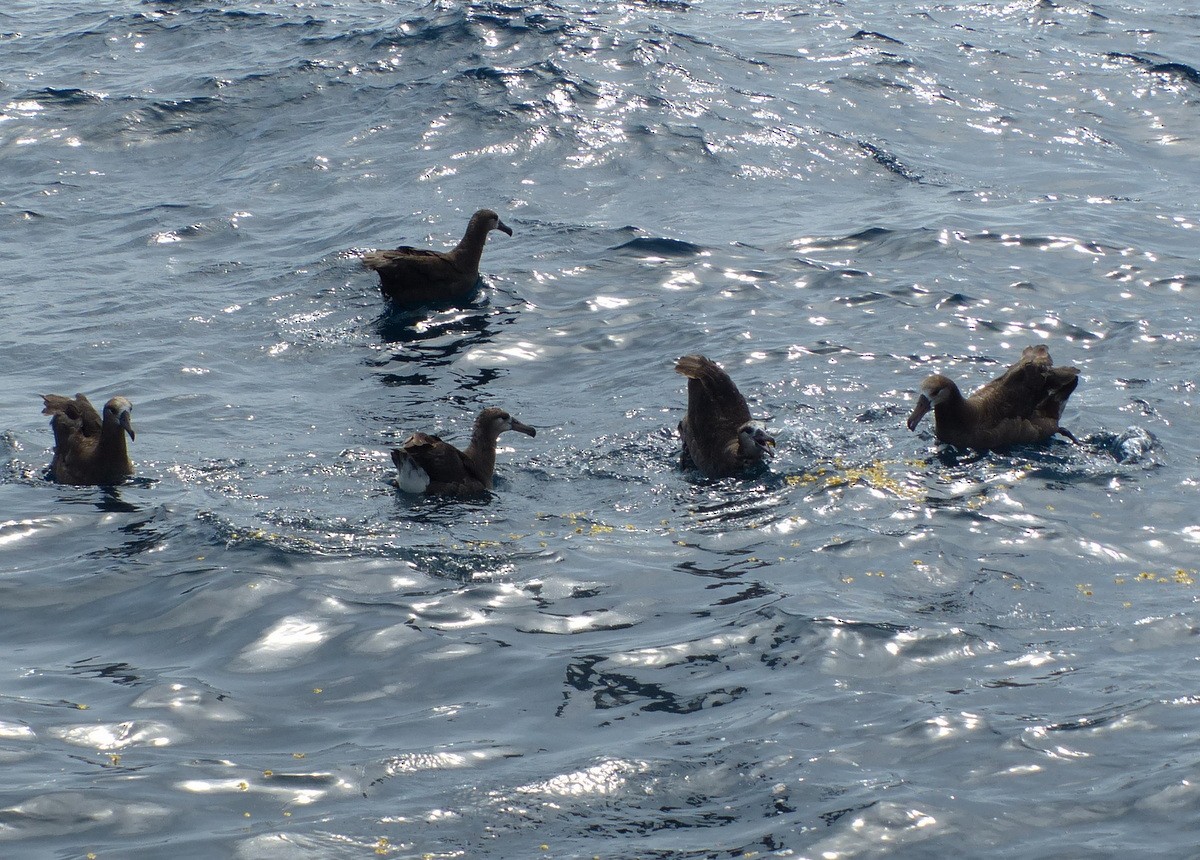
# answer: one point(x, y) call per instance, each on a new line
point(874, 647)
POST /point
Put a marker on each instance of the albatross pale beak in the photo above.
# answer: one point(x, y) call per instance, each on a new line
point(923, 406)
point(127, 423)
point(521, 427)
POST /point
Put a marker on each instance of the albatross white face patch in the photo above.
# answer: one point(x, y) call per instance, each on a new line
point(122, 410)
point(934, 392)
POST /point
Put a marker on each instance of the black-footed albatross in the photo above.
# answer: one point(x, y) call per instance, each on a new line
point(420, 276)
point(89, 449)
point(1024, 404)
point(718, 436)
point(428, 465)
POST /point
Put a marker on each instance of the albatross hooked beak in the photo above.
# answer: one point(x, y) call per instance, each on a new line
point(127, 423)
point(765, 442)
point(521, 427)
point(502, 227)
point(922, 407)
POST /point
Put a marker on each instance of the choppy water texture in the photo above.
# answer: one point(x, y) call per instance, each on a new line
point(259, 649)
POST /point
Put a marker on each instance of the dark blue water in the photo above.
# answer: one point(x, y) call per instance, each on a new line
point(259, 649)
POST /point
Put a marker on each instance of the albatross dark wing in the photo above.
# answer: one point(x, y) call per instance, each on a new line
point(445, 465)
point(712, 396)
point(78, 412)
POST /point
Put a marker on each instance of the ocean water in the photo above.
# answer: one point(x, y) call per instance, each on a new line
point(259, 648)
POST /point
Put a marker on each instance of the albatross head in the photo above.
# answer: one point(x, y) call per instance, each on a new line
point(935, 390)
point(498, 421)
point(491, 221)
point(755, 442)
point(119, 409)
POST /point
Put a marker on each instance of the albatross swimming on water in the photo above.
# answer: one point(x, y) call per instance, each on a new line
point(88, 448)
point(421, 276)
point(718, 436)
point(1024, 404)
point(428, 465)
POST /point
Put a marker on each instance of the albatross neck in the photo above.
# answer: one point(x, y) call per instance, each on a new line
point(955, 411)
point(111, 449)
point(470, 248)
point(482, 450)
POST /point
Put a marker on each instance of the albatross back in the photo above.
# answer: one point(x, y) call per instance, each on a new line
point(428, 465)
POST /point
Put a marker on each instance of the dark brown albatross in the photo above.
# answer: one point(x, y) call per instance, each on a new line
point(718, 436)
point(428, 465)
point(1024, 404)
point(89, 449)
point(420, 276)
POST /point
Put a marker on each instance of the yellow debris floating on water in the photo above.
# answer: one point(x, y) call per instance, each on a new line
point(874, 476)
point(1179, 577)
point(849, 578)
